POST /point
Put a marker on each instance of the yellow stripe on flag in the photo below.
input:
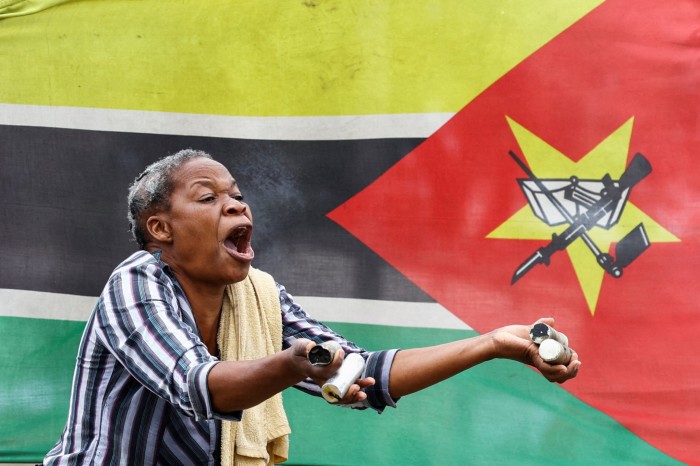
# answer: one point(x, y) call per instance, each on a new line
point(271, 58)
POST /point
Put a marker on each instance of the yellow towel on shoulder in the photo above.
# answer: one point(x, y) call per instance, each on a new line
point(251, 328)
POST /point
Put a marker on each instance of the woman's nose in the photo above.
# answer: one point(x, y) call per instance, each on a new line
point(235, 207)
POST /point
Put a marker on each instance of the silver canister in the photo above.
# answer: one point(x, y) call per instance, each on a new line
point(540, 332)
point(554, 352)
point(323, 354)
point(337, 386)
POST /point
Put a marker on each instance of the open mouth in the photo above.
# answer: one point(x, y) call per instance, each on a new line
point(238, 240)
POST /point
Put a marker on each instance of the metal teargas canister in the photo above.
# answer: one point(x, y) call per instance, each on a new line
point(554, 352)
point(337, 386)
point(540, 332)
point(553, 346)
point(323, 354)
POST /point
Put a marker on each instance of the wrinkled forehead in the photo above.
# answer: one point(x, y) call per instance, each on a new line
point(201, 171)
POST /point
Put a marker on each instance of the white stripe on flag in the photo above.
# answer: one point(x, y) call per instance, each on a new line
point(43, 305)
point(391, 313)
point(291, 128)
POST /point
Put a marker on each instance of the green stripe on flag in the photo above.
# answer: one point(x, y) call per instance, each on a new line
point(497, 413)
point(37, 361)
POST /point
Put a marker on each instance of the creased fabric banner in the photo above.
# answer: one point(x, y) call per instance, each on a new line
point(10, 8)
point(372, 142)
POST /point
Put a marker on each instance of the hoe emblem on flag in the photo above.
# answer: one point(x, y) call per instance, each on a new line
point(585, 208)
point(583, 205)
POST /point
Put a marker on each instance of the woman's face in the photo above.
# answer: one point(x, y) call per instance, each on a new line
point(210, 227)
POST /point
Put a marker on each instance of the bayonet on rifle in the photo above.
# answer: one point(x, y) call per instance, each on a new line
point(637, 170)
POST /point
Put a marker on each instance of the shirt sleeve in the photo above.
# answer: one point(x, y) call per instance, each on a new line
point(141, 323)
point(296, 323)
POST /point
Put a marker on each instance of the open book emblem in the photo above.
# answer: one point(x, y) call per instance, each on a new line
point(583, 205)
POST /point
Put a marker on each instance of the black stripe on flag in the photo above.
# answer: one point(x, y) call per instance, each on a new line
point(63, 205)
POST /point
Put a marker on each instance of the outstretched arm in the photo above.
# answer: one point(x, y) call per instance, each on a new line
point(419, 368)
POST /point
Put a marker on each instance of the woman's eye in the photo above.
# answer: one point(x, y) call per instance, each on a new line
point(207, 198)
point(238, 197)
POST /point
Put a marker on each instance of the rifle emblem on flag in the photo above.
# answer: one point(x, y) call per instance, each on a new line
point(583, 205)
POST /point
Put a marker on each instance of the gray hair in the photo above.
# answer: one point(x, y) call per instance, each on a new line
point(151, 191)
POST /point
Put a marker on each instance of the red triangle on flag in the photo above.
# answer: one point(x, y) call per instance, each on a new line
point(431, 214)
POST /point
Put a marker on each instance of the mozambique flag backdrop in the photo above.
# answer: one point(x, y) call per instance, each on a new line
point(373, 141)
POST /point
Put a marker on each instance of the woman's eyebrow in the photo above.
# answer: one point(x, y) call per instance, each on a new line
point(209, 183)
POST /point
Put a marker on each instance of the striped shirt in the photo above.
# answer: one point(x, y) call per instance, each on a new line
point(139, 393)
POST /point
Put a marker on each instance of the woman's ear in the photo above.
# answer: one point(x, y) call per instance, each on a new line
point(159, 229)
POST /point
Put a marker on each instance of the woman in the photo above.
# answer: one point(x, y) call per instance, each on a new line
point(188, 348)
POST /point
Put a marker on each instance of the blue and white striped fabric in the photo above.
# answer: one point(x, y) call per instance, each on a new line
point(140, 392)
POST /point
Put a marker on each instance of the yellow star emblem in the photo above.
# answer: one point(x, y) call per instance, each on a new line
point(610, 156)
